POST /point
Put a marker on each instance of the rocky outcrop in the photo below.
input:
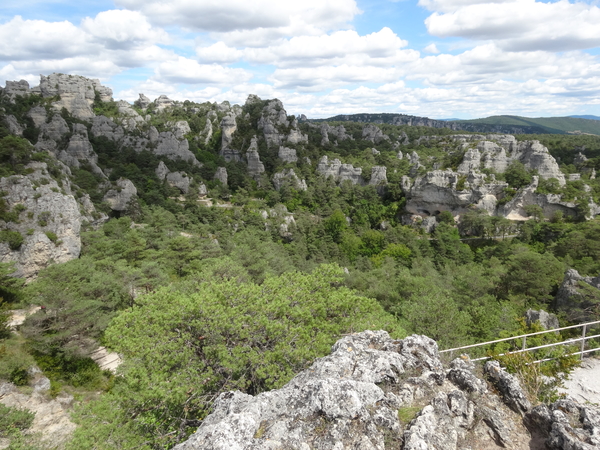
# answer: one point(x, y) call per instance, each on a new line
point(49, 224)
point(13, 126)
point(439, 191)
point(288, 176)
point(163, 102)
point(179, 180)
point(167, 144)
point(373, 392)
point(51, 134)
point(340, 172)
point(103, 126)
point(16, 88)
point(338, 133)
point(547, 320)
point(287, 154)
point(119, 199)
point(221, 175)
point(255, 166)
point(228, 127)
point(374, 134)
point(143, 102)
point(76, 93)
point(52, 416)
point(276, 127)
point(80, 150)
point(578, 297)
point(378, 176)
point(567, 425)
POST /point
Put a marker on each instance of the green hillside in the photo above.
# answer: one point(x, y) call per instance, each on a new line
point(553, 125)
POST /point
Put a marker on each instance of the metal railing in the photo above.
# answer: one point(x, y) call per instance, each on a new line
point(524, 337)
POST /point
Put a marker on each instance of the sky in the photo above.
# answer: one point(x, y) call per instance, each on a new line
point(434, 58)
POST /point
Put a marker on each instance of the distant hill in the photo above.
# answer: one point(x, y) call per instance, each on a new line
point(552, 125)
point(587, 117)
point(493, 124)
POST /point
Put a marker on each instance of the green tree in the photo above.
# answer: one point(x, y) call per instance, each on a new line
point(183, 349)
point(517, 176)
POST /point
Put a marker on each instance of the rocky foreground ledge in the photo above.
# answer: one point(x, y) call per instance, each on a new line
point(373, 392)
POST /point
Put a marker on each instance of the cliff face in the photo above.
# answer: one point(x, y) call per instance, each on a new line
point(49, 221)
point(373, 392)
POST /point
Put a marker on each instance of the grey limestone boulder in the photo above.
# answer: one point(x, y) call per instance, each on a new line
point(340, 172)
point(221, 175)
point(357, 398)
point(103, 126)
point(80, 150)
point(509, 387)
point(13, 125)
point(16, 88)
point(546, 320)
point(578, 296)
point(120, 198)
point(287, 154)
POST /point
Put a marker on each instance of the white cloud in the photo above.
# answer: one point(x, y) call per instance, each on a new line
point(431, 48)
point(521, 25)
point(122, 29)
point(238, 15)
point(218, 53)
point(382, 48)
point(185, 70)
point(25, 39)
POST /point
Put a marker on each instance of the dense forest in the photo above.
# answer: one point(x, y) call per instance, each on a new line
point(244, 293)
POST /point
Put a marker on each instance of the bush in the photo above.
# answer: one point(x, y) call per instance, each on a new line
point(14, 239)
point(14, 420)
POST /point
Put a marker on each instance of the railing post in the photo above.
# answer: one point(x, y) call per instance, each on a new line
point(524, 342)
point(583, 342)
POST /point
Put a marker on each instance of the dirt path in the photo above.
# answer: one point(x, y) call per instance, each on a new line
point(584, 383)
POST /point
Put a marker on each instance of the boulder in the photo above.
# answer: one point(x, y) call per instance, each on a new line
point(340, 172)
point(120, 198)
point(578, 296)
point(361, 396)
point(38, 114)
point(80, 150)
point(103, 126)
point(287, 154)
point(13, 125)
point(546, 320)
point(221, 175)
point(16, 88)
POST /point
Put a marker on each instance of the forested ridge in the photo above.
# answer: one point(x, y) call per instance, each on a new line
point(245, 290)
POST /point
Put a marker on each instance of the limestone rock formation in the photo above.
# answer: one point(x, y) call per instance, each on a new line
point(340, 172)
point(287, 154)
point(578, 296)
point(374, 134)
point(13, 126)
point(173, 148)
point(52, 416)
point(103, 126)
point(16, 88)
point(143, 102)
point(221, 175)
point(80, 150)
point(358, 397)
point(378, 176)
point(338, 133)
point(76, 93)
point(50, 222)
point(228, 127)
point(255, 166)
point(547, 320)
point(276, 127)
point(437, 191)
point(38, 114)
point(289, 176)
point(120, 198)
point(51, 133)
point(163, 102)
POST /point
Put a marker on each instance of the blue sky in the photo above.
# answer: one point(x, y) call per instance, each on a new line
point(434, 58)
